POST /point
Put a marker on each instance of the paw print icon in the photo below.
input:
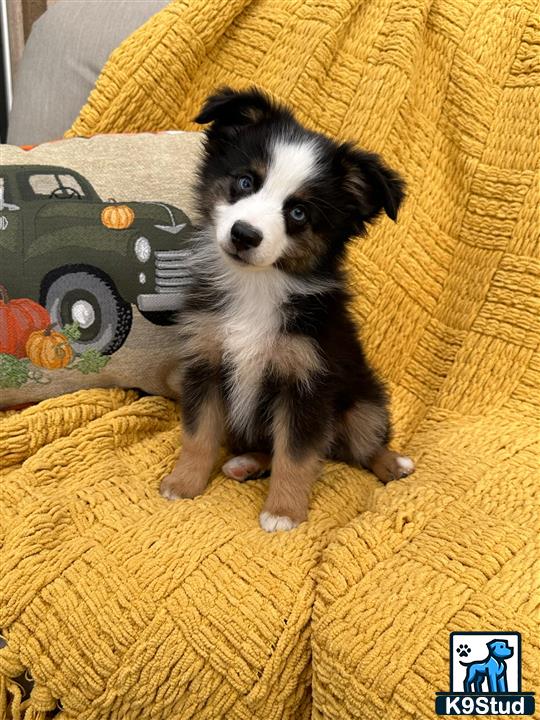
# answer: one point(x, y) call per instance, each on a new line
point(463, 650)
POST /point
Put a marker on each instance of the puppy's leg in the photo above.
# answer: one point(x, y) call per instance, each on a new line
point(366, 430)
point(203, 424)
point(244, 467)
point(290, 485)
point(300, 436)
point(388, 465)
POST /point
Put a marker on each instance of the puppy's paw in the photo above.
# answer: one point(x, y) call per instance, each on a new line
point(244, 467)
point(175, 487)
point(405, 466)
point(389, 465)
point(272, 523)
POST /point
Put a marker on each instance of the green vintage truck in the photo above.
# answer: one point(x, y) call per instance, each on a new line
point(87, 260)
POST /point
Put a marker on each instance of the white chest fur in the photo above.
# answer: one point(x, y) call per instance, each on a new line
point(251, 323)
point(246, 333)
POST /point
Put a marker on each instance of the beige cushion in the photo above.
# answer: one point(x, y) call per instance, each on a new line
point(65, 52)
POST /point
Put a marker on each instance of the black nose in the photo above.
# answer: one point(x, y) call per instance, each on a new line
point(245, 236)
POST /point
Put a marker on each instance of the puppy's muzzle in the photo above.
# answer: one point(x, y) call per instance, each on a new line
point(244, 236)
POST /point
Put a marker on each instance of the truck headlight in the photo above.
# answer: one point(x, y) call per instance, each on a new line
point(143, 249)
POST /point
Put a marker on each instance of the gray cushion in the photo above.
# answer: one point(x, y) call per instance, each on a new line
point(66, 50)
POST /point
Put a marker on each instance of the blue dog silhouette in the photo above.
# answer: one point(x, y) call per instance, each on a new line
point(493, 668)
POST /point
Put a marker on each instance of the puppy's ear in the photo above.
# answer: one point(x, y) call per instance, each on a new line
point(371, 185)
point(228, 108)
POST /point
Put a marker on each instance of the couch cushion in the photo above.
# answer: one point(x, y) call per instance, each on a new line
point(65, 53)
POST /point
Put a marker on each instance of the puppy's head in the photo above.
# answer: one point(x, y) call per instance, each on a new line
point(277, 194)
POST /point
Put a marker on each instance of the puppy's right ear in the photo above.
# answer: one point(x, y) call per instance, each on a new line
point(369, 183)
point(228, 108)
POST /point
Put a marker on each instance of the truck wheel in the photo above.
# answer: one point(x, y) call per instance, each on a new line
point(91, 300)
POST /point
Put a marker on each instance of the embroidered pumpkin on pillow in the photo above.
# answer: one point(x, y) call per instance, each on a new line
point(18, 320)
point(49, 349)
point(117, 217)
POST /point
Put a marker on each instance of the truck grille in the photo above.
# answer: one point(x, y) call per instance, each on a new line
point(173, 273)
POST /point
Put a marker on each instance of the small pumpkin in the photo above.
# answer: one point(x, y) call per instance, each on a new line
point(49, 349)
point(18, 319)
point(117, 217)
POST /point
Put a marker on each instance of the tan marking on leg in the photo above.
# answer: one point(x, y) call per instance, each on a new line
point(290, 483)
point(365, 427)
point(243, 467)
point(190, 475)
point(389, 465)
point(288, 497)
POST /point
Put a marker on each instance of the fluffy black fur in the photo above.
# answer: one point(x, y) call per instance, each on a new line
point(352, 189)
point(316, 395)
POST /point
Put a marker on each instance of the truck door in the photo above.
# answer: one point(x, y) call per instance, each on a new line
point(11, 240)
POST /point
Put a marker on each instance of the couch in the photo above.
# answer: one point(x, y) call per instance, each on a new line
point(121, 605)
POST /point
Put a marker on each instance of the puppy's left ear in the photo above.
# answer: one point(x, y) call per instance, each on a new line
point(228, 108)
point(371, 185)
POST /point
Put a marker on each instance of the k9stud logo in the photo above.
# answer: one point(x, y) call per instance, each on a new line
point(485, 676)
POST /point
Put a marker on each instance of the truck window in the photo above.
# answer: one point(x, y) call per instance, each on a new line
point(45, 184)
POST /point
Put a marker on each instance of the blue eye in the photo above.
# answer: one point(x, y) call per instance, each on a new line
point(245, 183)
point(298, 214)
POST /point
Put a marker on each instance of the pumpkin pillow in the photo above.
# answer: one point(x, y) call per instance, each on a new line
point(94, 261)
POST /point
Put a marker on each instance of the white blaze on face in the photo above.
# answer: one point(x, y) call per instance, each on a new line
point(291, 165)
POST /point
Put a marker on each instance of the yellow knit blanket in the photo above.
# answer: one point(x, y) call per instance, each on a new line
point(122, 605)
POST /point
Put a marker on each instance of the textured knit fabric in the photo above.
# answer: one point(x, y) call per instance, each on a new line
point(123, 605)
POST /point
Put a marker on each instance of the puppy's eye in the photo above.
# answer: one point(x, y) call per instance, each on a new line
point(245, 183)
point(298, 214)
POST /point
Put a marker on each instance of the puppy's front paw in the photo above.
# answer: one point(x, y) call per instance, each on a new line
point(272, 523)
point(176, 486)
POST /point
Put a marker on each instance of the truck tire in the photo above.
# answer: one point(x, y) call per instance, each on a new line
point(89, 298)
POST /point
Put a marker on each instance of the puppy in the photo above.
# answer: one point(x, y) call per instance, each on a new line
point(272, 363)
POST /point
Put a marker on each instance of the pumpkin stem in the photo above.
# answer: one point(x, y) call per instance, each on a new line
point(48, 330)
point(4, 297)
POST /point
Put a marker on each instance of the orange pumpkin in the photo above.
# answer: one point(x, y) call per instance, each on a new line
point(117, 217)
point(49, 349)
point(18, 319)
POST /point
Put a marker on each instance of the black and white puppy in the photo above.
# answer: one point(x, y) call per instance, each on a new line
point(272, 363)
